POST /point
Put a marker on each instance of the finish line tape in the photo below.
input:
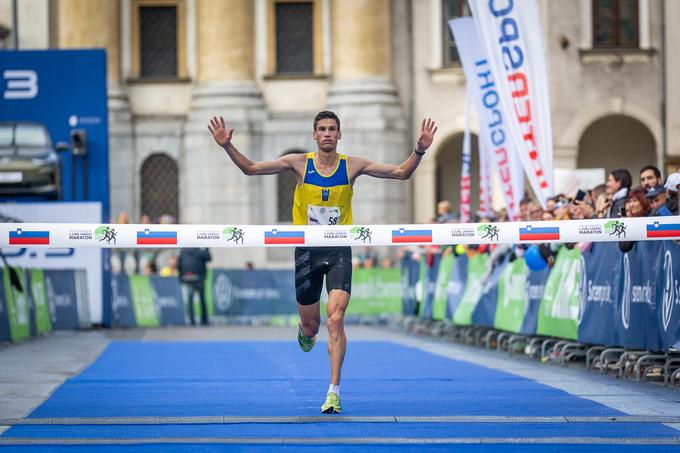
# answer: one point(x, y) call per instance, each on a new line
point(177, 236)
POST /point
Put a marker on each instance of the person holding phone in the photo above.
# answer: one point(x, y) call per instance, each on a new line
point(581, 207)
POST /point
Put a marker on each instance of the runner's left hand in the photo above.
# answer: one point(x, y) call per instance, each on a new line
point(427, 131)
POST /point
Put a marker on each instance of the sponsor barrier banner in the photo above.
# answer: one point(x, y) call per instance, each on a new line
point(558, 312)
point(511, 33)
point(485, 311)
point(410, 272)
point(40, 304)
point(18, 310)
point(512, 297)
point(456, 286)
point(535, 286)
point(668, 294)
point(143, 303)
point(167, 295)
point(473, 289)
point(375, 292)
point(62, 290)
point(431, 272)
point(440, 293)
point(421, 286)
point(62, 235)
point(122, 312)
point(599, 294)
point(208, 296)
point(253, 292)
point(5, 334)
point(637, 319)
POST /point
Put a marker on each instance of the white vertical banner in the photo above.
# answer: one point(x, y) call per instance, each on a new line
point(485, 172)
point(465, 174)
point(511, 33)
point(494, 135)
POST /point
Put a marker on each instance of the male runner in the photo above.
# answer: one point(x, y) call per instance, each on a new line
point(323, 196)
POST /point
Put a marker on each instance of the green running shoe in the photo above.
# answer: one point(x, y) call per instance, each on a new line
point(332, 404)
point(306, 343)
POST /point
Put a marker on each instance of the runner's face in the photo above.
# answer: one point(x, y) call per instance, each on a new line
point(327, 135)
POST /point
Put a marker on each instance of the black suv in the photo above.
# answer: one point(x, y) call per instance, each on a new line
point(29, 166)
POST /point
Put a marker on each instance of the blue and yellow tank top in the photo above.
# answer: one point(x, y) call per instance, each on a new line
point(324, 200)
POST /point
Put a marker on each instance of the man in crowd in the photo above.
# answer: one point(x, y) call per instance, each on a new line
point(650, 176)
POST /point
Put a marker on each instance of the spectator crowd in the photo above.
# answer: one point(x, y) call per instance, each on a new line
point(615, 198)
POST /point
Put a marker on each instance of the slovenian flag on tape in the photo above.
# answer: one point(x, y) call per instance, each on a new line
point(148, 237)
point(539, 233)
point(284, 237)
point(403, 235)
point(22, 237)
point(663, 230)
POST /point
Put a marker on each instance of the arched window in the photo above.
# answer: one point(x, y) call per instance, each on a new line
point(617, 141)
point(285, 189)
point(160, 187)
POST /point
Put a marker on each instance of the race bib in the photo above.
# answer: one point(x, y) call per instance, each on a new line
point(323, 215)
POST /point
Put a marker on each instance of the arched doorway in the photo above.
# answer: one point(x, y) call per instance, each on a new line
point(448, 167)
point(617, 141)
point(160, 186)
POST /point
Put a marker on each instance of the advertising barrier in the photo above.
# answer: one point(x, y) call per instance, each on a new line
point(253, 292)
point(485, 310)
point(512, 297)
point(473, 290)
point(410, 273)
point(535, 285)
point(600, 296)
point(558, 312)
point(637, 322)
point(375, 292)
point(40, 308)
point(439, 307)
point(457, 282)
point(668, 292)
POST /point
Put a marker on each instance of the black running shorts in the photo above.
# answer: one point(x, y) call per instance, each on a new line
point(311, 264)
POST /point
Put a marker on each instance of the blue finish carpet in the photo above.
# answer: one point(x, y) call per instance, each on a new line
point(184, 379)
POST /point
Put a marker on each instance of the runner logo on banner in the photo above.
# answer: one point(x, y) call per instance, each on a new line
point(512, 36)
point(494, 133)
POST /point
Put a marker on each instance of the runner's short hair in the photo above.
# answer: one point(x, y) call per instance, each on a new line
point(326, 114)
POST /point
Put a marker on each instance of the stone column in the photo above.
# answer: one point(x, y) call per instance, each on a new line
point(365, 98)
point(92, 24)
point(213, 189)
